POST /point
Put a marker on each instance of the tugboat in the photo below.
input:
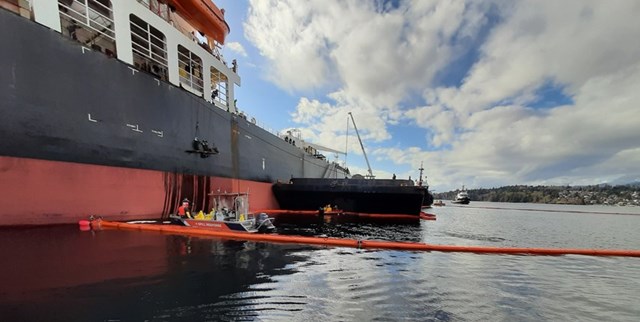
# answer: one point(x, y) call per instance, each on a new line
point(462, 197)
point(427, 201)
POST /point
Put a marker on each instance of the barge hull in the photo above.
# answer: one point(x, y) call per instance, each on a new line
point(376, 196)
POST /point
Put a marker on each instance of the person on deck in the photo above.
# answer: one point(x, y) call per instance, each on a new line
point(183, 211)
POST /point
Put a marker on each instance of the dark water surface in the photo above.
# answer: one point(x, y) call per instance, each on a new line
point(63, 274)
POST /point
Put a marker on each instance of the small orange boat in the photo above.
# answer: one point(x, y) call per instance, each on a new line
point(439, 203)
point(204, 16)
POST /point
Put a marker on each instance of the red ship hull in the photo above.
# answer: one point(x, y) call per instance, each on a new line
point(41, 192)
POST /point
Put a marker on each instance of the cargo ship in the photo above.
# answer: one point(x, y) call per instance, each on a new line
point(123, 108)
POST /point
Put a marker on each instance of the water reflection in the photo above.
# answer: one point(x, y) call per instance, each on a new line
point(378, 231)
point(99, 275)
point(60, 273)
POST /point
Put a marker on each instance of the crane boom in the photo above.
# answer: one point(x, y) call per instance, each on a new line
point(362, 146)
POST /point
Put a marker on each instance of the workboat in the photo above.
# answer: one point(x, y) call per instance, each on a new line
point(439, 203)
point(122, 108)
point(230, 212)
point(462, 197)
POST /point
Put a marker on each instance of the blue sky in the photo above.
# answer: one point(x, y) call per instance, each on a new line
point(483, 94)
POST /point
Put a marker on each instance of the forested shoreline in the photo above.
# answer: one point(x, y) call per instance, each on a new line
point(576, 195)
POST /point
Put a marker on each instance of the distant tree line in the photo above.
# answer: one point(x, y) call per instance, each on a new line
point(578, 195)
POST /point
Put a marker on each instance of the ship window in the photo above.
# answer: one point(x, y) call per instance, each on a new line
point(89, 22)
point(190, 69)
point(219, 84)
point(149, 48)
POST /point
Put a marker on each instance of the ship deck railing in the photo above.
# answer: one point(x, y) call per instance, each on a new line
point(89, 17)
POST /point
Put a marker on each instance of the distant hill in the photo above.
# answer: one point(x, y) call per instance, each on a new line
point(631, 179)
point(633, 184)
point(627, 194)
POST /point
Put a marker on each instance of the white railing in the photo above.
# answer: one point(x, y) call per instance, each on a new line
point(83, 13)
point(219, 83)
point(145, 44)
point(190, 69)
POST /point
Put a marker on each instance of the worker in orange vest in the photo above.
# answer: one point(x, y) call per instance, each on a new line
point(183, 211)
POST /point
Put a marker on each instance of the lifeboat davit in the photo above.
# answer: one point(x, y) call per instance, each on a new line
point(204, 16)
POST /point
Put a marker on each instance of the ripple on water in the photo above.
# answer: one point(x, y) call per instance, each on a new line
point(178, 278)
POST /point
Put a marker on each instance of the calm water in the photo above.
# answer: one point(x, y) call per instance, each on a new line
point(61, 273)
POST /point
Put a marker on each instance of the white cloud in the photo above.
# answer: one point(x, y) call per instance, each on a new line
point(587, 47)
point(371, 58)
point(330, 123)
point(237, 48)
point(488, 129)
point(376, 55)
point(566, 144)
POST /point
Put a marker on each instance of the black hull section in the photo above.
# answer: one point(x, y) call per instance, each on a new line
point(428, 199)
point(64, 102)
point(351, 195)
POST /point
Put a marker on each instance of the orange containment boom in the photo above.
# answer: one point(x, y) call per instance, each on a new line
point(346, 214)
point(366, 244)
point(182, 230)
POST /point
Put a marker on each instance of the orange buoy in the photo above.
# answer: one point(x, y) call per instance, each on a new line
point(368, 244)
point(426, 216)
point(84, 225)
